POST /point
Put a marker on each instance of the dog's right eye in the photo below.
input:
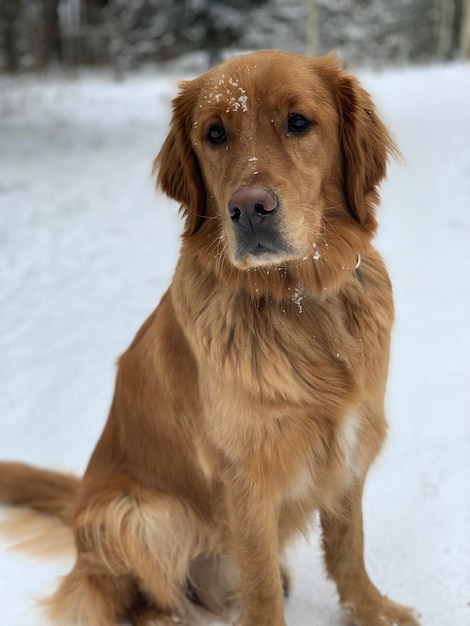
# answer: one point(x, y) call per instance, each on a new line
point(298, 123)
point(216, 134)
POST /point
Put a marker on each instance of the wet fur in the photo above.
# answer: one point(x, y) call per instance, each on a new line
point(253, 395)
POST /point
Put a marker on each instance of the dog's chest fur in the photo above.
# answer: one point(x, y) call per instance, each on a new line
point(279, 387)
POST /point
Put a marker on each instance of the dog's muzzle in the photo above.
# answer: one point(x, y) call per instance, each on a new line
point(255, 214)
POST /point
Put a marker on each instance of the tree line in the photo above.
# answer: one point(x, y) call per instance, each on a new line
point(38, 34)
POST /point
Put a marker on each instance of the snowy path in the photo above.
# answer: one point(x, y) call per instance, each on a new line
point(87, 249)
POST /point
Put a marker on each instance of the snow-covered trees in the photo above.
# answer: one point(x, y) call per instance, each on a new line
point(378, 31)
point(36, 33)
point(464, 40)
point(29, 33)
point(164, 29)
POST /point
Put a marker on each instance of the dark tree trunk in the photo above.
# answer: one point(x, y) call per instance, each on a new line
point(50, 48)
point(10, 13)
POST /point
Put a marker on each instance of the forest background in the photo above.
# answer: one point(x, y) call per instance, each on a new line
point(36, 35)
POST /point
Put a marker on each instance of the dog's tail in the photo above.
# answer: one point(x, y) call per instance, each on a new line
point(43, 490)
point(44, 502)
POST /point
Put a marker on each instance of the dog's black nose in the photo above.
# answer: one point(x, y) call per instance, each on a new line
point(251, 205)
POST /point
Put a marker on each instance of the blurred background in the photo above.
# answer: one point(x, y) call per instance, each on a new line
point(87, 248)
point(40, 34)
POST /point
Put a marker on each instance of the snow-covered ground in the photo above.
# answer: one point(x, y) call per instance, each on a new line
point(87, 248)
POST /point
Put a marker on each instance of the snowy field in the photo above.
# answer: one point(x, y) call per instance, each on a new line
point(87, 249)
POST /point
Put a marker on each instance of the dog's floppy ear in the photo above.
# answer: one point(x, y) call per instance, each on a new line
point(179, 174)
point(365, 143)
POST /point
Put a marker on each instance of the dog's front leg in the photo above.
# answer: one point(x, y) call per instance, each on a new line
point(253, 519)
point(343, 543)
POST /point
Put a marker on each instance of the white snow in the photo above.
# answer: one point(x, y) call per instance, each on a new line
point(298, 296)
point(243, 103)
point(316, 254)
point(87, 249)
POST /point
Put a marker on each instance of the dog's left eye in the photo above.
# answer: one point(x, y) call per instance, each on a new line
point(297, 123)
point(216, 134)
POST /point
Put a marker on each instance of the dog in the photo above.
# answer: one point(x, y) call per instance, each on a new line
point(253, 396)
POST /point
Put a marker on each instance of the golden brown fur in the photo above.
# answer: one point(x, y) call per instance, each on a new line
point(253, 396)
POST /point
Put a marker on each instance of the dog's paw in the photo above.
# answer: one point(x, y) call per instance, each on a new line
point(381, 612)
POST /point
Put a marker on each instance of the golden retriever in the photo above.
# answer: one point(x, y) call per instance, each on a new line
point(253, 396)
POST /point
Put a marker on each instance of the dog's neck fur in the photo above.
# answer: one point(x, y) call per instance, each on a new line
point(331, 262)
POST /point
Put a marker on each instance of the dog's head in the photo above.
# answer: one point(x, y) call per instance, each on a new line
point(280, 151)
